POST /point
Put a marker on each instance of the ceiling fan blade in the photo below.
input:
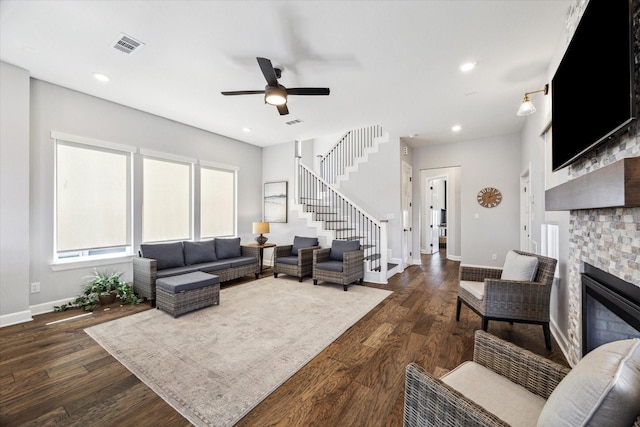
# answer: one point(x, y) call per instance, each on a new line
point(243, 92)
point(268, 71)
point(308, 91)
point(282, 109)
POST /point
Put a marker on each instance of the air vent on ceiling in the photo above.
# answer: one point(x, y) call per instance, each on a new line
point(294, 122)
point(127, 44)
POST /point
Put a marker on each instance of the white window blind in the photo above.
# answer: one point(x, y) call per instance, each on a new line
point(217, 202)
point(166, 200)
point(92, 197)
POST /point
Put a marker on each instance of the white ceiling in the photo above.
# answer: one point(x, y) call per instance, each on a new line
point(391, 63)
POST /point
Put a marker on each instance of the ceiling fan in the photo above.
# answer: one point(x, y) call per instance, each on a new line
point(275, 93)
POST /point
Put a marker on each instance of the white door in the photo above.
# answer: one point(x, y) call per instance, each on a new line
point(407, 188)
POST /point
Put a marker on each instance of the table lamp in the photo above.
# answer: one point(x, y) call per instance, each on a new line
point(260, 228)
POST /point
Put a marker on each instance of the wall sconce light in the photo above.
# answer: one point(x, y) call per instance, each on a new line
point(527, 108)
point(261, 228)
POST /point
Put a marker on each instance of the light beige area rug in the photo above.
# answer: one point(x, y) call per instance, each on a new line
point(215, 364)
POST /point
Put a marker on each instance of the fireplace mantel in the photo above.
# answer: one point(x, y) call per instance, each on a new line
point(614, 186)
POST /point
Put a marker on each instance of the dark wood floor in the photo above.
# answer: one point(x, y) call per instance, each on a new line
point(57, 375)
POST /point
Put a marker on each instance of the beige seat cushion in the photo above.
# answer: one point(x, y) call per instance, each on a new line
point(508, 401)
point(602, 390)
point(474, 288)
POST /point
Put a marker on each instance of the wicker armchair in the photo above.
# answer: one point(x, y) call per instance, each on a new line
point(506, 385)
point(343, 263)
point(296, 259)
point(493, 298)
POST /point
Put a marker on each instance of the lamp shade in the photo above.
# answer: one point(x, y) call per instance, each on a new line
point(526, 108)
point(260, 227)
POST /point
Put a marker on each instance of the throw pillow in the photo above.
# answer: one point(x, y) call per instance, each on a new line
point(199, 252)
point(602, 390)
point(519, 267)
point(303, 242)
point(228, 248)
point(167, 255)
point(339, 247)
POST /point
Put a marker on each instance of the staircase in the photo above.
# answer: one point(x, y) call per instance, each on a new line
point(333, 214)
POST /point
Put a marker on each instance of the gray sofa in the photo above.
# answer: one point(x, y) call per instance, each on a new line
point(224, 257)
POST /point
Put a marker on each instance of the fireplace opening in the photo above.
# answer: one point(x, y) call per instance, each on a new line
point(610, 309)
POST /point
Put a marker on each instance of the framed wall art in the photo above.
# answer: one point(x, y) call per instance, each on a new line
point(275, 201)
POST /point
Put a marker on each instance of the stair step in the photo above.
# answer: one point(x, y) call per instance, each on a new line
point(373, 257)
point(389, 267)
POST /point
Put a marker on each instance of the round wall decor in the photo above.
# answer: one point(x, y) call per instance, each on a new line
point(489, 197)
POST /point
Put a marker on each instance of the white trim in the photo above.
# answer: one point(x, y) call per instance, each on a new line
point(167, 156)
point(48, 307)
point(15, 318)
point(209, 164)
point(76, 264)
point(60, 136)
point(561, 339)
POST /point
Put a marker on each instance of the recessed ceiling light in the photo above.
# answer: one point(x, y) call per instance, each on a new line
point(101, 77)
point(247, 130)
point(413, 135)
point(467, 66)
point(456, 128)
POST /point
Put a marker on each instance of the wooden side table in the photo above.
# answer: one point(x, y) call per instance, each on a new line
point(261, 247)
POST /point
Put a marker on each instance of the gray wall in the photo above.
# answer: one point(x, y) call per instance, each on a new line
point(54, 108)
point(490, 162)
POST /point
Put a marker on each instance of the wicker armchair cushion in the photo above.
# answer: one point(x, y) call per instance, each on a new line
point(330, 265)
point(167, 255)
point(489, 389)
point(519, 267)
point(602, 390)
point(303, 242)
point(339, 247)
point(474, 288)
point(199, 252)
point(289, 260)
point(228, 248)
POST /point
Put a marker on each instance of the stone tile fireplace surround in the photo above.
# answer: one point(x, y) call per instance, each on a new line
point(607, 238)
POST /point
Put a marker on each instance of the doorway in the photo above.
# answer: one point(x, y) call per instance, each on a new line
point(439, 217)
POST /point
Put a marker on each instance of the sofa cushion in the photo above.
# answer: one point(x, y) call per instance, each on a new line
point(519, 267)
point(208, 267)
point(186, 282)
point(339, 247)
point(167, 255)
point(243, 260)
point(228, 248)
point(168, 272)
point(603, 389)
point(303, 242)
point(199, 252)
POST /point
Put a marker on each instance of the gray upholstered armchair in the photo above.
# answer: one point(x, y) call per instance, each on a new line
point(342, 263)
point(518, 292)
point(296, 259)
point(506, 385)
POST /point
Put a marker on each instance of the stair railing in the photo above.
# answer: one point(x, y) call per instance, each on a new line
point(329, 205)
point(351, 146)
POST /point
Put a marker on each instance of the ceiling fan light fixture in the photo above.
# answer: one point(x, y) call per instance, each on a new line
point(275, 96)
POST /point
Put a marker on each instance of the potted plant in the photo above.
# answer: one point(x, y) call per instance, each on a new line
point(102, 288)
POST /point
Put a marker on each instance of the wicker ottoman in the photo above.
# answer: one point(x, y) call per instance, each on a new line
point(187, 292)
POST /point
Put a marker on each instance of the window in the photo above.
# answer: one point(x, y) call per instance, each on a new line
point(92, 198)
point(166, 199)
point(217, 202)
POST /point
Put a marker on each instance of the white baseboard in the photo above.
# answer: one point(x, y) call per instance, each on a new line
point(15, 318)
point(561, 339)
point(47, 307)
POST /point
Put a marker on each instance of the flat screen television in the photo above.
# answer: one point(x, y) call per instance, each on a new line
point(592, 91)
